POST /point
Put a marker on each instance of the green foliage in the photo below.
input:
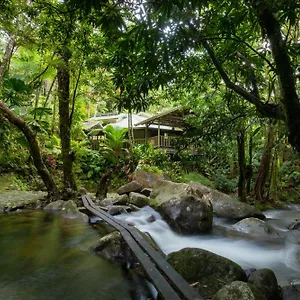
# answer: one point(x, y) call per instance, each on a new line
point(152, 169)
point(147, 155)
point(196, 177)
point(113, 145)
point(10, 181)
point(223, 183)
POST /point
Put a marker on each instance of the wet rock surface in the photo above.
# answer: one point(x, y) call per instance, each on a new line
point(13, 200)
point(224, 206)
point(238, 290)
point(68, 209)
point(256, 228)
point(265, 280)
point(132, 186)
point(208, 270)
point(138, 199)
point(187, 214)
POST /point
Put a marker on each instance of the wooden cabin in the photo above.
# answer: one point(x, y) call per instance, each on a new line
point(160, 130)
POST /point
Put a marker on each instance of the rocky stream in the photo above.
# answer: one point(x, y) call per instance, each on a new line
point(225, 249)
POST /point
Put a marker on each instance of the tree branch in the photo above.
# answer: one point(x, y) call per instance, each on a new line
point(290, 100)
point(265, 109)
point(238, 39)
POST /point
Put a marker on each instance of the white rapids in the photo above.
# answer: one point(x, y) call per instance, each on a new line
point(282, 258)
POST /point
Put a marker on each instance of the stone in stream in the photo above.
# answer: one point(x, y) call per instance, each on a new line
point(187, 214)
point(68, 209)
point(224, 206)
point(132, 186)
point(113, 248)
point(138, 199)
point(55, 205)
point(118, 209)
point(239, 290)
point(256, 228)
point(266, 281)
point(208, 270)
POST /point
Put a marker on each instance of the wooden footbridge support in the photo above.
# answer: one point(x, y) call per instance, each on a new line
point(166, 280)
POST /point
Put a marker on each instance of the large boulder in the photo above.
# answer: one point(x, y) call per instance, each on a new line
point(238, 290)
point(148, 179)
point(224, 206)
point(187, 213)
point(266, 281)
point(227, 207)
point(256, 228)
point(138, 199)
point(210, 271)
point(166, 190)
point(132, 186)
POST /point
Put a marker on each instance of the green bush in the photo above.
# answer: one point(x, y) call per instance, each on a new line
point(197, 177)
point(223, 183)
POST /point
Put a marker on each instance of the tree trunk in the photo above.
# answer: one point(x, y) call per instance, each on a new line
point(34, 148)
point(63, 79)
point(290, 100)
point(7, 55)
point(104, 184)
point(249, 170)
point(242, 166)
point(264, 167)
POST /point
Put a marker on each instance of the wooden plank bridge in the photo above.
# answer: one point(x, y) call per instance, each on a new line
point(167, 281)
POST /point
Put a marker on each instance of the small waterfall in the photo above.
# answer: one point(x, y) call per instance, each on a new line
point(282, 258)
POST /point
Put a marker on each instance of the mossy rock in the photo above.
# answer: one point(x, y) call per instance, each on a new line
point(210, 271)
point(238, 290)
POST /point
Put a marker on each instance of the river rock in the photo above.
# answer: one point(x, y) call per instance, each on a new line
point(227, 207)
point(113, 248)
point(55, 205)
point(224, 206)
point(121, 199)
point(256, 228)
point(148, 179)
point(210, 271)
point(138, 199)
point(70, 210)
point(187, 213)
point(239, 290)
point(166, 190)
point(132, 186)
point(118, 209)
point(291, 292)
point(265, 280)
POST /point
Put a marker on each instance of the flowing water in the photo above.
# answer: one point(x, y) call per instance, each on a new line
point(282, 257)
point(46, 257)
point(43, 256)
